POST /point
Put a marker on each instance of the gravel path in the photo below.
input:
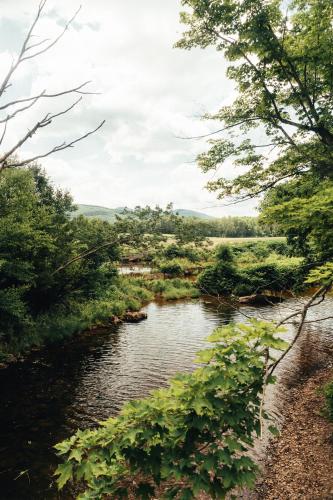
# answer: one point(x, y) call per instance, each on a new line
point(300, 462)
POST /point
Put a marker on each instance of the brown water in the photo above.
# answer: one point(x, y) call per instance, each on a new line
point(74, 385)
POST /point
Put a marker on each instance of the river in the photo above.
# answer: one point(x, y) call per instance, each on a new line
point(74, 385)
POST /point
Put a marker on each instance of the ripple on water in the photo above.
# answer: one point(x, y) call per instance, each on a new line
point(88, 379)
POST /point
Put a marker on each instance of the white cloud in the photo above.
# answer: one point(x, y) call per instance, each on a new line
point(150, 94)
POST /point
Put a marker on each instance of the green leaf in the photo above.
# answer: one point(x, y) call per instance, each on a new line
point(186, 494)
point(64, 471)
point(75, 454)
point(274, 430)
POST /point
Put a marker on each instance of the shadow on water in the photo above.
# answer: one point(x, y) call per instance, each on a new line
point(74, 385)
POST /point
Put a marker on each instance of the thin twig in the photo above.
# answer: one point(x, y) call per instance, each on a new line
point(321, 291)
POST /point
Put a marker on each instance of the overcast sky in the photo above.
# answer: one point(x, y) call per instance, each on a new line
point(150, 93)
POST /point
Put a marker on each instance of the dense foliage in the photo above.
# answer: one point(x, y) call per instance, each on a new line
point(169, 289)
point(226, 227)
point(189, 438)
point(252, 268)
point(305, 212)
point(36, 237)
point(58, 272)
point(280, 57)
point(174, 251)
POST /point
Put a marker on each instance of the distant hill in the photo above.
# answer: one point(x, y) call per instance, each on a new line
point(109, 214)
point(192, 213)
point(103, 213)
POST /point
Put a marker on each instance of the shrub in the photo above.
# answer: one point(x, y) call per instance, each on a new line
point(221, 278)
point(218, 279)
point(172, 267)
point(118, 308)
point(260, 277)
point(224, 253)
point(262, 249)
point(174, 251)
point(180, 293)
point(175, 288)
point(175, 267)
point(243, 277)
point(274, 275)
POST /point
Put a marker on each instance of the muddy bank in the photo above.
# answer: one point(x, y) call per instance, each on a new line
point(299, 463)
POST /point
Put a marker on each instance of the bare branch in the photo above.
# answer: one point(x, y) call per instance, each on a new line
point(42, 123)
point(14, 66)
point(3, 133)
point(311, 302)
point(48, 47)
point(222, 129)
point(37, 44)
point(48, 118)
point(26, 48)
point(30, 50)
point(74, 90)
point(60, 147)
point(318, 319)
point(20, 110)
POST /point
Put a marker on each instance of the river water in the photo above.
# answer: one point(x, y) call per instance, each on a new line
point(74, 385)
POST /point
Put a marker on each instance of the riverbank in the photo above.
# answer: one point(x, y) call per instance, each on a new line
point(299, 463)
point(121, 302)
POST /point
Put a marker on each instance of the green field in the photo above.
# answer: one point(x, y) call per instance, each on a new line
point(215, 241)
point(234, 241)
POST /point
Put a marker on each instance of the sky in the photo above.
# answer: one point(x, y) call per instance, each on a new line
point(149, 93)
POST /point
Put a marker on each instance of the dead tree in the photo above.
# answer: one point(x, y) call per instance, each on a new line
point(11, 109)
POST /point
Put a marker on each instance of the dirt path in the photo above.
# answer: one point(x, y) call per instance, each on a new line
point(300, 462)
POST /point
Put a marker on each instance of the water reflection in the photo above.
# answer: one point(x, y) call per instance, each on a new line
point(88, 379)
point(134, 269)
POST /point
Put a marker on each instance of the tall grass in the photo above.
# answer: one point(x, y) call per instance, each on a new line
point(171, 289)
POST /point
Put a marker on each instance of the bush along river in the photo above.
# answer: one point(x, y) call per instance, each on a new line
point(87, 379)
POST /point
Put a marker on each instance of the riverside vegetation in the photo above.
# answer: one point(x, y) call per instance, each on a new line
point(40, 304)
point(58, 272)
point(42, 299)
point(48, 290)
point(196, 432)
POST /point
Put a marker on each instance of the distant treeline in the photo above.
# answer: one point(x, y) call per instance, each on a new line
point(228, 227)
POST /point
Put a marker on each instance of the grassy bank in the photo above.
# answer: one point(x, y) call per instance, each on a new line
point(126, 294)
point(170, 289)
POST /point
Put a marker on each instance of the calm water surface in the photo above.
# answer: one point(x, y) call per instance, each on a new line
point(71, 386)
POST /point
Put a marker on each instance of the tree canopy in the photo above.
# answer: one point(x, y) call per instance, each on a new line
point(281, 61)
point(279, 128)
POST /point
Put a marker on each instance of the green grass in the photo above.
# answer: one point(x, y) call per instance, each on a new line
point(169, 289)
point(328, 393)
point(234, 241)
